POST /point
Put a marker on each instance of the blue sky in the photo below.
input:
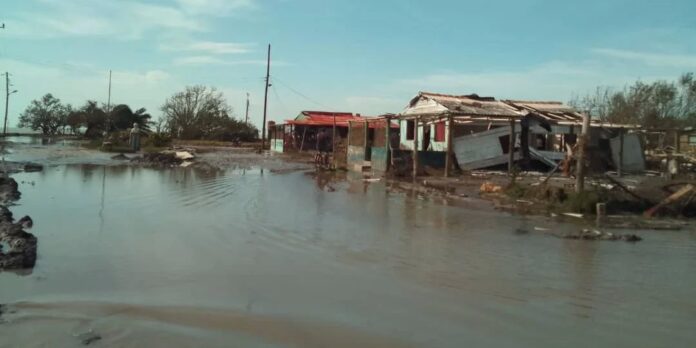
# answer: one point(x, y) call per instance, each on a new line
point(367, 57)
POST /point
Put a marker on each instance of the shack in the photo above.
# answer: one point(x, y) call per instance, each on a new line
point(370, 143)
point(300, 134)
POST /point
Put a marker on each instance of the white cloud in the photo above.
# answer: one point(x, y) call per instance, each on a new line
point(120, 19)
point(210, 60)
point(650, 58)
point(198, 60)
point(214, 7)
point(210, 47)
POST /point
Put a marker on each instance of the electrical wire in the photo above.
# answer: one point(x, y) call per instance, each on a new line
point(327, 108)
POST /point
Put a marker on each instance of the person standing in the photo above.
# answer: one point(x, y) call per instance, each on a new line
point(135, 138)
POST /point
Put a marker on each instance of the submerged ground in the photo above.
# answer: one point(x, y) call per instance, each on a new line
point(262, 254)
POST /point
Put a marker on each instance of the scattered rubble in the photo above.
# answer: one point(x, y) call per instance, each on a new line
point(158, 159)
point(596, 235)
point(166, 159)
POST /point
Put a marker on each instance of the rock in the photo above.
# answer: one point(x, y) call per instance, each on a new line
point(19, 251)
point(33, 167)
point(120, 157)
point(26, 222)
point(88, 338)
point(8, 190)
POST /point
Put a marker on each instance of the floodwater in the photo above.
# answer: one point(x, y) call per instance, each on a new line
point(250, 258)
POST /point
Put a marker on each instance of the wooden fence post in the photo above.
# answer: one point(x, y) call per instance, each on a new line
point(621, 152)
point(387, 145)
point(415, 147)
point(511, 148)
point(448, 160)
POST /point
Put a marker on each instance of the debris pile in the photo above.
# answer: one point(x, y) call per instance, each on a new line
point(17, 247)
point(165, 159)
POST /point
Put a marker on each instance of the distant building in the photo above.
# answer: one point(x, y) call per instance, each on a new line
point(300, 134)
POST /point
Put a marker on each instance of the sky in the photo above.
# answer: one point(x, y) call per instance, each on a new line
point(367, 57)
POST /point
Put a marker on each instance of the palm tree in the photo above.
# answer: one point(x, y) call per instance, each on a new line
point(123, 118)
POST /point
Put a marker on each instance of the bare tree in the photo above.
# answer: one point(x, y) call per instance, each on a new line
point(196, 112)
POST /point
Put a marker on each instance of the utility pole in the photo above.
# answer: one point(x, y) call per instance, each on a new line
point(265, 99)
point(108, 100)
point(246, 118)
point(7, 100)
point(108, 109)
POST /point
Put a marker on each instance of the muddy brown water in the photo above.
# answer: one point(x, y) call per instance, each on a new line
point(252, 258)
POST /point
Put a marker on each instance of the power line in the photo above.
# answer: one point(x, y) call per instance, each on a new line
point(280, 102)
point(327, 108)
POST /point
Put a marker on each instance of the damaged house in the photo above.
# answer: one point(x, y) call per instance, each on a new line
point(482, 132)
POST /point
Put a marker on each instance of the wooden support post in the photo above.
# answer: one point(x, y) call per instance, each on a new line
point(415, 147)
point(677, 141)
point(582, 147)
point(366, 128)
point(333, 143)
point(621, 152)
point(511, 149)
point(450, 147)
point(387, 144)
point(304, 134)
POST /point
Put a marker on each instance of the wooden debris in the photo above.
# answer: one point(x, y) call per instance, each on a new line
point(489, 187)
point(669, 200)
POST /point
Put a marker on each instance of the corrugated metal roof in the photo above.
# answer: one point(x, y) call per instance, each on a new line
point(550, 110)
point(326, 119)
point(472, 105)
